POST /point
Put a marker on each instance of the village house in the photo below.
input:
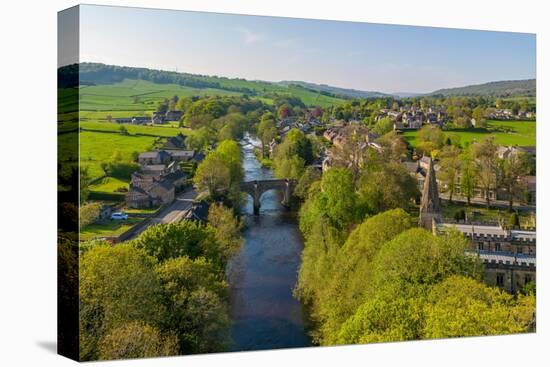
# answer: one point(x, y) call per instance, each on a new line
point(173, 115)
point(155, 185)
point(157, 157)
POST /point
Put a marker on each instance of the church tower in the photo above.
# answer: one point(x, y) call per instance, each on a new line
point(430, 210)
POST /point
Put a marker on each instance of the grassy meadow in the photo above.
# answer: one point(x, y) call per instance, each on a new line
point(113, 127)
point(520, 133)
point(97, 147)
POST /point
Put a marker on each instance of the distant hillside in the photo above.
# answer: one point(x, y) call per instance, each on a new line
point(336, 91)
point(508, 88)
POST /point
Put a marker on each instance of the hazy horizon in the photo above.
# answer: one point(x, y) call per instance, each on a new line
point(362, 56)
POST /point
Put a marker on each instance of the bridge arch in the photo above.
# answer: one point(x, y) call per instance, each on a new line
point(256, 188)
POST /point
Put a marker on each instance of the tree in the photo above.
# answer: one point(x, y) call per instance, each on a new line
point(213, 175)
point(512, 170)
point(292, 155)
point(201, 138)
point(485, 161)
point(227, 229)
point(431, 138)
point(196, 295)
point(136, 340)
point(479, 115)
point(305, 182)
point(89, 213)
point(468, 175)
point(338, 196)
point(383, 126)
point(417, 257)
point(386, 185)
point(461, 306)
point(267, 130)
point(186, 238)
point(117, 286)
point(284, 111)
point(513, 221)
point(394, 146)
point(450, 165)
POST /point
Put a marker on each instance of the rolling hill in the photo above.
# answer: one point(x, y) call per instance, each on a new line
point(508, 88)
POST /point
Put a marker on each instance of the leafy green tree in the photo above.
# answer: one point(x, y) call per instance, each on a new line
point(117, 286)
point(267, 130)
point(383, 126)
point(461, 306)
point(512, 170)
point(450, 166)
point(89, 213)
point(305, 182)
point(196, 295)
point(213, 175)
point(227, 229)
point(345, 285)
point(485, 161)
point(186, 238)
point(430, 138)
point(468, 175)
point(394, 146)
point(338, 197)
point(136, 340)
point(292, 155)
point(479, 115)
point(384, 186)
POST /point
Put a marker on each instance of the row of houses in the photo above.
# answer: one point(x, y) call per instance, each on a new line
point(413, 118)
point(508, 114)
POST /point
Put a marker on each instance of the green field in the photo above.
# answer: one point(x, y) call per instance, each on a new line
point(107, 228)
point(108, 185)
point(157, 130)
point(96, 147)
point(520, 133)
point(139, 97)
point(134, 96)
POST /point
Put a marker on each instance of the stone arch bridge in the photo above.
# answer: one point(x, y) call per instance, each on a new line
point(257, 187)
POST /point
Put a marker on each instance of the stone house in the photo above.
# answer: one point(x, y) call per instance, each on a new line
point(157, 157)
point(155, 185)
point(173, 115)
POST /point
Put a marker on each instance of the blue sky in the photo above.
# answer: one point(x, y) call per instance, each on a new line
point(364, 56)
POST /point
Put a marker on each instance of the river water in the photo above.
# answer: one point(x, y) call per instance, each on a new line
point(263, 273)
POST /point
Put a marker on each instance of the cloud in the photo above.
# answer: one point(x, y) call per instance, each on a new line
point(250, 36)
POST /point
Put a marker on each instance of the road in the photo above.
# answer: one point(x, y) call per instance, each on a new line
point(172, 213)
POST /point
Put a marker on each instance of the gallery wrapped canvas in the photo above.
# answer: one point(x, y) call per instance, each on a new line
point(238, 183)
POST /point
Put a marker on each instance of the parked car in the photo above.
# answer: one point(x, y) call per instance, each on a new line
point(119, 216)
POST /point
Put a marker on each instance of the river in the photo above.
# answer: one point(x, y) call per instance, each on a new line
point(263, 273)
